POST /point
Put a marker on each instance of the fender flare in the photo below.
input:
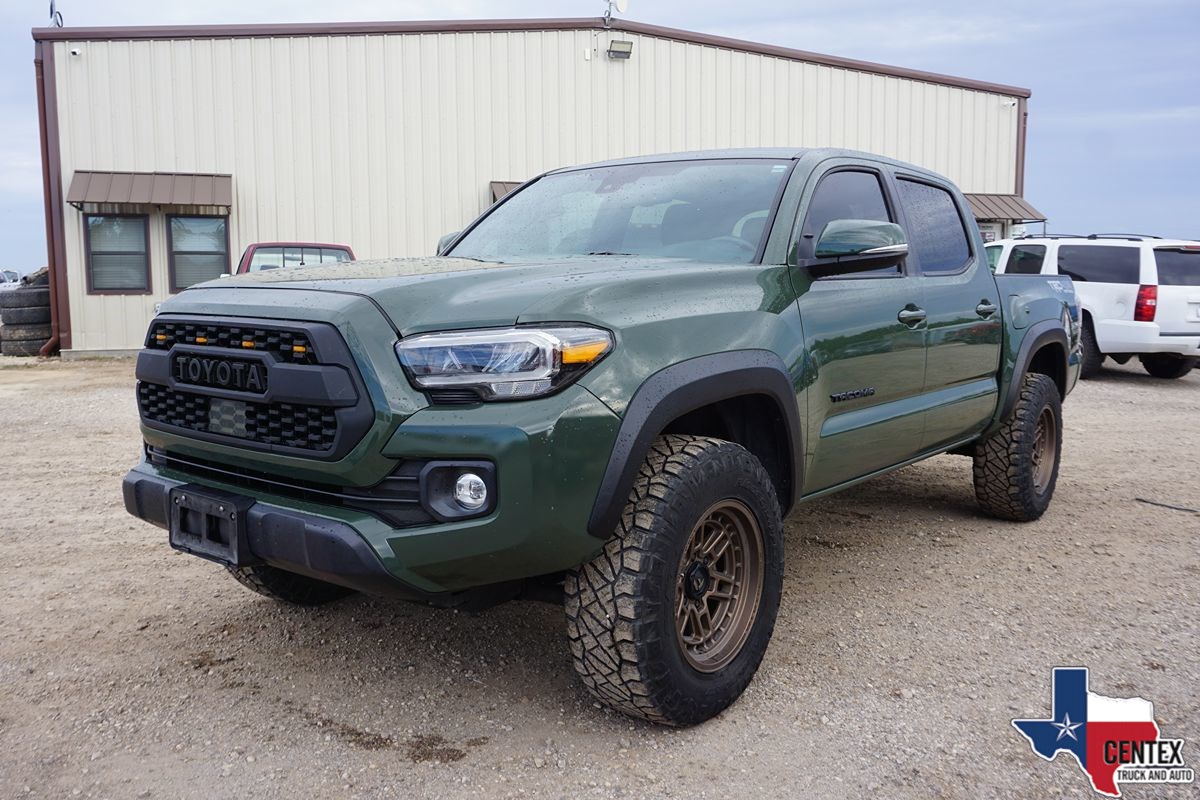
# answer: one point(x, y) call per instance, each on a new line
point(684, 387)
point(1039, 334)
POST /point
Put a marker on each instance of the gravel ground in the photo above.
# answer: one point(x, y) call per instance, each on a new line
point(912, 630)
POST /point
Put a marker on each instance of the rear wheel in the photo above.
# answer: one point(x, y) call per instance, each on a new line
point(670, 622)
point(1093, 359)
point(1016, 469)
point(288, 587)
point(1166, 365)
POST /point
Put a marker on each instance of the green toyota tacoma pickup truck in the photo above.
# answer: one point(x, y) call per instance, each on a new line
point(608, 390)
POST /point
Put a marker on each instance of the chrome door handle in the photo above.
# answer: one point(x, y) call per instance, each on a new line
point(911, 315)
point(986, 309)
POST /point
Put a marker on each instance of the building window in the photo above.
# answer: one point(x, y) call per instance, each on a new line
point(118, 247)
point(198, 249)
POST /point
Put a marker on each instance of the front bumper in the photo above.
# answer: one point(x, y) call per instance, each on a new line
point(549, 456)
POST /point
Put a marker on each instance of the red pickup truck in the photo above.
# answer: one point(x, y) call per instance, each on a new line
point(278, 255)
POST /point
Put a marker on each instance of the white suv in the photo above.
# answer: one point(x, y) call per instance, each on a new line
point(1140, 295)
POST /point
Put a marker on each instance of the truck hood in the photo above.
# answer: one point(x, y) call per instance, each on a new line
point(422, 294)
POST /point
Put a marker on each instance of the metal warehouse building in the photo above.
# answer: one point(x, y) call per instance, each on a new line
point(168, 150)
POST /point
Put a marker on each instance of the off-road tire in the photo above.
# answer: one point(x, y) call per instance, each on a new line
point(288, 587)
point(621, 607)
point(21, 347)
point(26, 333)
point(1008, 464)
point(1093, 359)
point(25, 297)
point(1166, 365)
point(33, 315)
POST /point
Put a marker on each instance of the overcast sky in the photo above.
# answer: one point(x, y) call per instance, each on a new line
point(1114, 126)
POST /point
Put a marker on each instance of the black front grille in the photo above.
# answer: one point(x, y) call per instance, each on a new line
point(293, 346)
point(302, 426)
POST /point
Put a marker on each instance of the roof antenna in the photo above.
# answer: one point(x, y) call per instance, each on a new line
point(621, 6)
point(55, 16)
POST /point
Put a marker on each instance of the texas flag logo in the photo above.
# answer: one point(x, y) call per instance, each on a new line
point(1114, 739)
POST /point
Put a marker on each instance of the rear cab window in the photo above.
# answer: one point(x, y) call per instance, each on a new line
point(1100, 263)
point(1178, 266)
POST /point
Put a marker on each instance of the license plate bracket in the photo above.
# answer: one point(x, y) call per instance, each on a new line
point(211, 524)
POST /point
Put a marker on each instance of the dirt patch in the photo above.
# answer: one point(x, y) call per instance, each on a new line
point(912, 630)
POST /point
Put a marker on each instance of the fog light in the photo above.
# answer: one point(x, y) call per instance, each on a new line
point(470, 491)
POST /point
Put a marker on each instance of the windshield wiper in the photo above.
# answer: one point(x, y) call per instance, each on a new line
point(606, 253)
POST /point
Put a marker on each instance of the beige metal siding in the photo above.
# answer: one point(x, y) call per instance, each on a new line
point(387, 141)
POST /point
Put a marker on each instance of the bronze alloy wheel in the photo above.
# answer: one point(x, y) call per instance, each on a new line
point(1045, 438)
point(719, 586)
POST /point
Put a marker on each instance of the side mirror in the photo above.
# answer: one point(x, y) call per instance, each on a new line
point(445, 241)
point(857, 245)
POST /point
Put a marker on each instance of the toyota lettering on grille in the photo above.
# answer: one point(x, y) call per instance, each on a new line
point(220, 373)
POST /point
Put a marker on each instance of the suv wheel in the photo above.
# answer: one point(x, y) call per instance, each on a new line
point(1016, 468)
point(288, 587)
point(1166, 365)
point(1092, 357)
point(670, 622)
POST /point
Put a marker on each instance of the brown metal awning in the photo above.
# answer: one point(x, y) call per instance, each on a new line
point(151, 188)
point(1004, 207)
point(501, 188)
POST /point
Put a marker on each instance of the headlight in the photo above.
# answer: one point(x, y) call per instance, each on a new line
point(503, 363)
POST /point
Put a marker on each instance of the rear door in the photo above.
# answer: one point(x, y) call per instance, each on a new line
point(962, 304)
point(868, 365)
point(1178, 312)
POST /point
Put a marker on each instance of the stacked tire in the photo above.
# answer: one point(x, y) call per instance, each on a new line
point(24, 320)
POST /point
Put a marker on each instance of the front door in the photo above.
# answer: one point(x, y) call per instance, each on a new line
point(865, 340)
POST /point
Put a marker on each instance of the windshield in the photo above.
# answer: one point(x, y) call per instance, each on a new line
point(702, 210)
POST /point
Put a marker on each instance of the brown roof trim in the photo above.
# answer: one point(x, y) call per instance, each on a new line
point(459, 26)
point(817, 58)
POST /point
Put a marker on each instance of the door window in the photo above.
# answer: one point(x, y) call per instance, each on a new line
point(936, 231)
point(1026, 259)
point(994, 252)
point(847, 194)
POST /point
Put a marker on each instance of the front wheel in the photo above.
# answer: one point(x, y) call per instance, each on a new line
point(670, 622)
point(1016, 468)
point(1166, 365)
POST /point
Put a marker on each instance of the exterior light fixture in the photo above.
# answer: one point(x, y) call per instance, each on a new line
point(620, 49)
